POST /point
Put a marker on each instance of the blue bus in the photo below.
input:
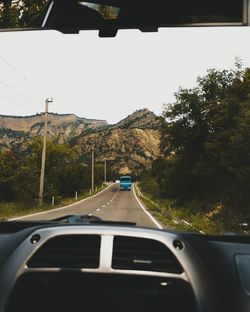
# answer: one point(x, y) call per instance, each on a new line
point(125, 183)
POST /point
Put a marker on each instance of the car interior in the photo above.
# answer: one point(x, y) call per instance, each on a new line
point(82, 263)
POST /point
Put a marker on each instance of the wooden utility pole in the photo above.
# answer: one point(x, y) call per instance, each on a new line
point(40, 196)
point(93, 168)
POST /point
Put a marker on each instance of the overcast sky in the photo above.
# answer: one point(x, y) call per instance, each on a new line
point(109, 78)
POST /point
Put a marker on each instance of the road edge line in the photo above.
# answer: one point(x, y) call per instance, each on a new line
point(144, 209)
point(60, 208)
point(174, 220)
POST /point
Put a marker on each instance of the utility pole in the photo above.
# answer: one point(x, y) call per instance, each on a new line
point(93, 167)
point(105, 171)
point(40, 196)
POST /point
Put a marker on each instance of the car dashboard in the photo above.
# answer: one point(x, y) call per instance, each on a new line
point(51, 266)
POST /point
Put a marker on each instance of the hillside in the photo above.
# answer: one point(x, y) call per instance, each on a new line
point(130, 145)
point(15, 130)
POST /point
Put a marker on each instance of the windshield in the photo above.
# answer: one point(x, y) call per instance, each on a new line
point(125, 179)
point(170, 109)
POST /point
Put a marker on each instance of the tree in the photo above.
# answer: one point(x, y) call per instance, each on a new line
point(9, 14)
point(107, 12)
point(205, 140)
point(32, 12)
point(25, 13)
point(8, 166)
point(62, 170)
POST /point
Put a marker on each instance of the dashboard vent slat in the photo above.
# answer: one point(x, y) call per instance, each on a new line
point(68, 251)
point(133, 253)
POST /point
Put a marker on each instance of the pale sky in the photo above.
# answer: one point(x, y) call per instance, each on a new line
point(109, 78)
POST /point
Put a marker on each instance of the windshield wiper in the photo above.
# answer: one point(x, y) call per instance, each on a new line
point(16, 225)
point(88, 219)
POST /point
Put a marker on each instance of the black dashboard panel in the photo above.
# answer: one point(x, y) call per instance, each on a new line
point(71, 291)
point(219, 254)
point(213, 277)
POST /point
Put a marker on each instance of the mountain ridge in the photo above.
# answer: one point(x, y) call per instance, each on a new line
point(130, 145)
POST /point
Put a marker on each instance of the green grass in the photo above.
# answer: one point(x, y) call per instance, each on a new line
point(172, 217)
point(14, 209)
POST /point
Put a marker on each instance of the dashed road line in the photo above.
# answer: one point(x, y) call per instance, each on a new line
point(62, 208)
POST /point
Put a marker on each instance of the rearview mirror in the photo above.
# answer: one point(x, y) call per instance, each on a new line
point(108, 16)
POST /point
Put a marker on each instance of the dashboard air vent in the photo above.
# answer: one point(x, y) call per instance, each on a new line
point(68, 251)
point(132, 253)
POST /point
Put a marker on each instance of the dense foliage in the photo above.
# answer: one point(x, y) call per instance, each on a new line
point(65, 173)
point(205, 143)
point(30, 13)
point(21, 13)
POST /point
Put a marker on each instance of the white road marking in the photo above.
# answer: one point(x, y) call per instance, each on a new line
point(150, 216)
point(61, 208)
point(90, 214)
point(103, 205)
point(98, 209)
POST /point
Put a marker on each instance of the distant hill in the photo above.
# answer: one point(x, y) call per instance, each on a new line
point(15, 130)
point(25, 123)
point(130, 145)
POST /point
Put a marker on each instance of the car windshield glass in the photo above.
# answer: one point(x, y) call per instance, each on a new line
point(171, 110)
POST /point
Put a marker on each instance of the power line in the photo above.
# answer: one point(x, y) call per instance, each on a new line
point(11, 102)
point(11, 66)
point(17, 92)
point(21, 74)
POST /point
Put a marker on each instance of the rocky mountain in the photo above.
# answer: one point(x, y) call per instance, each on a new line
point(15, 130)
point(129, 146)
point(25, 124)
point(143, 119)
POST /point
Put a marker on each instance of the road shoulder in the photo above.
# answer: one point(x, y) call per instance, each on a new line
point(61, 208)
point(135, 191)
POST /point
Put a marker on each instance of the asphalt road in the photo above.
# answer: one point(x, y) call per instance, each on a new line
point(110, 204)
